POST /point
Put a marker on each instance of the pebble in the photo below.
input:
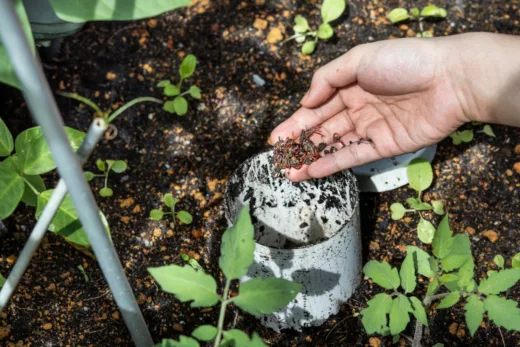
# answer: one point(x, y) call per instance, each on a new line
point(259, 81)
point(260, 24)
point(275, 35)
point(491, 235)
point(516, 167)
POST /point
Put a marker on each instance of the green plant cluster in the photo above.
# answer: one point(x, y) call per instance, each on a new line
point(467, 136)
point(330, 11)
point(179, 104)
point(420, 178)
point(400, 14)
point(117, 166)
point(256, 296)
point(170, 202)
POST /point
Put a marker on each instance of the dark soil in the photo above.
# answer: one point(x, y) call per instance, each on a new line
point(193, 156)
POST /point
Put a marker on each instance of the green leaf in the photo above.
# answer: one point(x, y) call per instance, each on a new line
point(474, 310)
point(12, 188)
point(205, 333)
point(399, 316)
point(34, 156)
point(163, 83)
point(29, 197)
point(466, 273)
point(325, 31)
point(503, 312)
point(382, 274)
point(443, 239)
point(434, 264)
point(66, 222)
point(186, 284)
point(6, 139)
point(169, 200)
point(171, 90)
point(185, 217)
point(113, 10)
point(450, 300)
point(374, 316)
point(332, 10)
point(466, 135)
point(106, 192)
point(448, 278)
point(184, 341)
point(459, 254)
point(421, 260)
point(418, 205)
point(156, 214)
point(185, 257)
point(488, 130)
point(308, 47)
point(168, 106)
point(237, 246)
point(101, 165)
point(418, 310)
point(499, 260)
point(515, 262)
point(195, 92)
point(395, 339)
point(415, 12)
point(407, 274)
point(2, 280)
point(89, 176)
point(438, 207)
point(472, 285)
point(398, 15)
point(499, 282)
point(188, 66)
point(432, 287)
point(420, 174)
point(425, 231)
point(438, 345)
point(433, 11)
point(119, 166)
point(301, 25)
point(398, 210)
point(256, 341)
point(264, 296)
point(235, 338)
point(180, 105)
point(300, 38)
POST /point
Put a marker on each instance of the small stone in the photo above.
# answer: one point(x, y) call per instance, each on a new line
point(111, 76)
point(453, 328)
point(196, 233)
point(157, 232)
point(260, 2)
point(516, 166)
point(11, 259)
point(178, 327)
point(47, 326)
point(275, 35)
point(260, 24)
point(259, 81)
point(374, 342)
point(410, 33)
point(152, 23)
point(517, 149)
point(4, 332)
point(469, 230)
point(491, 235)
point(115, 315)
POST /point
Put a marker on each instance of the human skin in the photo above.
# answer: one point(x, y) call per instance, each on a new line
point(404, 95)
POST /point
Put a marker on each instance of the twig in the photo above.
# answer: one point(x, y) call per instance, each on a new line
point(334, 327)
point(97, 297)
point(502, 336)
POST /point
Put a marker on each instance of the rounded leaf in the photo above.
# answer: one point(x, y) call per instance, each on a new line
point(101, 165)
point(300, 25)
point(415, 12)
point(438, 207)
point(195, 92)
point(433, 11)
point(398, 15)
point(156, 214)
point(119, 166)
point(180, 105)
point(300, 39)
point(425, 231)
point(308, 47)
point(515, 262)
point(6, 140)
point(332, 10)
point(106, 192)
point(12, 187)
point(184, 256)
point(163, 83)
point(499, 260)
point(171, 90)
point(398, 210)
point(169, 200)
point(420, 174)
point(205, 333)
point(188, 66)
point(450, 300)
point(488, 130)
point(169, 107)
point(325, 31)
point(185, 217)
point(89, 176)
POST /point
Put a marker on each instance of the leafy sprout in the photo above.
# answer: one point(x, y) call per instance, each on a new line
point(179, 105)
point(117, 166)
point(191, 261)
point(170, 202)
point(330, 11)
point(467, 135)
point(398, 15)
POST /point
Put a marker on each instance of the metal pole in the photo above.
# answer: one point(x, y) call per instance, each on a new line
point(96, 130)
point(43, 108)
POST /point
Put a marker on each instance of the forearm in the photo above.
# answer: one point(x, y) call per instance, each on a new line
point(485, 70)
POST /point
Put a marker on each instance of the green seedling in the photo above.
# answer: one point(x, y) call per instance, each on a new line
point(330, 11)
point(420, 178)
point(256, 296)
point(83, 272)
point(467, 136)
point(179, 105)
point(170, 202)
point(450, 277)
point(192, 262)
point(105, 167)
point(400, 14)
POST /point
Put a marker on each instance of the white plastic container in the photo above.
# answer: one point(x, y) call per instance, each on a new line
point(307, 232)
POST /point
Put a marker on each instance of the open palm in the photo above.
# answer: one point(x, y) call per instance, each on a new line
point(396, 93)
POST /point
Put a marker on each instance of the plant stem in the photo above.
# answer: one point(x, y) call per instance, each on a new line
point(180, 83)
point(417, 337)
point(130, 104)
point(222, 314)
point(106, 177)
point(84, 100)
point(310, 33)
point(35, 191)
point(186, 92)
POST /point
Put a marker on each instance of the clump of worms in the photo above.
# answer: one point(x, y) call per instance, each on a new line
point(298, 151)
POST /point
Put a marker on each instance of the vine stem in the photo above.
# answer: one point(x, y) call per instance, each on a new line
point(222, 314)
point(130, 104)
point(417, 337)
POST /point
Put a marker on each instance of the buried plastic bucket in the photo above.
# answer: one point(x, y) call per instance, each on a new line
point(307, 232)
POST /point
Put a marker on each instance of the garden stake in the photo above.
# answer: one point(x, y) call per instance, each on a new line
point(45, 112)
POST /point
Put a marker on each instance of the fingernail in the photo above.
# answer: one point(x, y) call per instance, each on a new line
point(306, 96)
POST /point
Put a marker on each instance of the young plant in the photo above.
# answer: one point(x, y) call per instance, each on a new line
point(256, 296)
point(179, 104)
point(118, 166)
point(83, 272)
point(330, 11)
point(467, 136)
point(400, 14)
point(420, 178)
point(192, 262)
point(170, 202)
point(449, 272)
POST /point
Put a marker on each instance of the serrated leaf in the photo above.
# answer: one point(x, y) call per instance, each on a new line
point(205, 333)
point(443, 239)
point(407, 274)
point(382, 274)
point(187, 284)
point(325, 31)
point(168, 106)
point(499, 282)
point(300, 25)
point(418, 310)
point(156, 214)
point(438, 207)
point(420, 174)
point(421, 259)
point(425, 231)
point(433, 11)
point(499, 260)
point(515, 262)
point(399, 316)
point(459, 254)
point(432, 287)
point(237, 246)
point(450, 300)
point(448, 278)
point(374, 317)
point(466, 273)
point(398, 15)
point(119, 166)
point(474, 310)
point(488, 130)
point(308, 47)
point(332, 10)
point(434, 264)
point(185, 217)
point(163, 83)
point(12, 187)
point(34, 156)
point(453, 262)
point(169, 200)
point(180, 105)
point(6, 140)
point(188, 66)
point(398, 210)
point(503, 312)
point(264, 296)
point(184, 341)
point(195, 92)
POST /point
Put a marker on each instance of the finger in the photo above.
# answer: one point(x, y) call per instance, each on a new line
point(298, 175)
point(306, 118)
point(340, 72)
